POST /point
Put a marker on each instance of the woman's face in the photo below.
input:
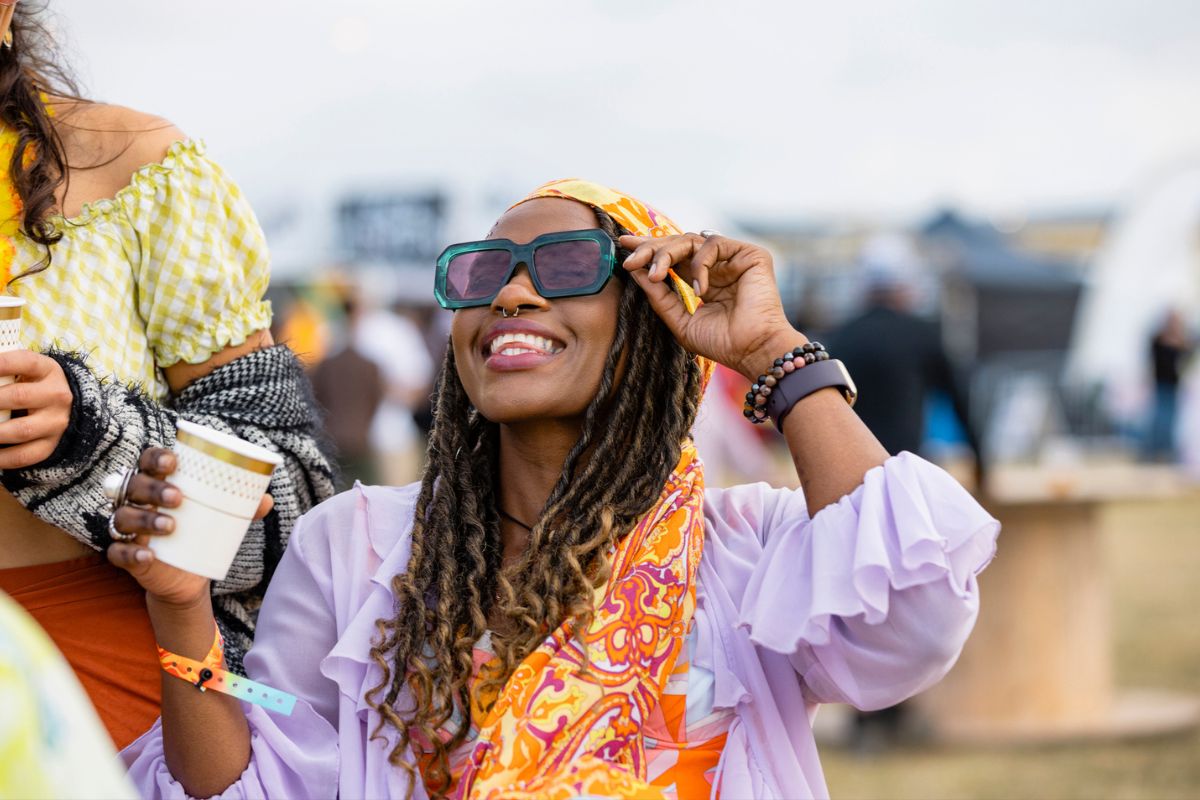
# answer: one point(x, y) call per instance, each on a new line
point(553, 369)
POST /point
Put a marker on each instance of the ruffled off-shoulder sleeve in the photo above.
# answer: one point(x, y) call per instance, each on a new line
point(873, 598)
point(202, 265)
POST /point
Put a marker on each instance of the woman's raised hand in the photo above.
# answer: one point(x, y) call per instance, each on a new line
point(148, 491)
point(42, 392)
point(742, 323)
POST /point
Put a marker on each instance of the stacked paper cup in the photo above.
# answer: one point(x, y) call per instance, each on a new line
point(223, 479)
point(10, 336)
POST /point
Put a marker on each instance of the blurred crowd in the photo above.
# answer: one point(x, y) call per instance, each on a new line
point(373, 367)
point(977, 396)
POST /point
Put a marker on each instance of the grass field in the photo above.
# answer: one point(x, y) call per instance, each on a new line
point(1153, 552)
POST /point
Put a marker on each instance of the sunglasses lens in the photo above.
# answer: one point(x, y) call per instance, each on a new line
point(477, 276)
point(567, 266)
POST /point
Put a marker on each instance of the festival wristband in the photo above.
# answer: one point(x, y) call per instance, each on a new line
point(211, 674)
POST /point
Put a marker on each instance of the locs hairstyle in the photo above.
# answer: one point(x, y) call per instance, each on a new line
point(632, 435)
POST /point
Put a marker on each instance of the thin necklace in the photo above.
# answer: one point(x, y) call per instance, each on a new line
point(511, 518)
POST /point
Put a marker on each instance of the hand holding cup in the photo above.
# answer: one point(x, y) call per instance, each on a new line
point(148, 492)
point(38, 387)
point(34, 384)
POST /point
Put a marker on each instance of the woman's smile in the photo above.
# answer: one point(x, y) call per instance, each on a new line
point(511, 345)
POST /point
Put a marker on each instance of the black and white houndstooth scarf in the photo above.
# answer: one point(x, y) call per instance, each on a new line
point(263, 397)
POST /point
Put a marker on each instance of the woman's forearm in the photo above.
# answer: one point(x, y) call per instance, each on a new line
point(831, 447)
point(206, 739)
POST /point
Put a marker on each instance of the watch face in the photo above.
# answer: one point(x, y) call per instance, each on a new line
point(851, 389)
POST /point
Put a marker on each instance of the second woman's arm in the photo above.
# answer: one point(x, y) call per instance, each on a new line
point(208, 741)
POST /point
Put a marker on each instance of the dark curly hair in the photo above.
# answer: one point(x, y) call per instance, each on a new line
point(30, 72)
point(632, 435)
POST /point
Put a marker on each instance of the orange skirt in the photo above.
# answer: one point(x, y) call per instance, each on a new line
point(96, 614)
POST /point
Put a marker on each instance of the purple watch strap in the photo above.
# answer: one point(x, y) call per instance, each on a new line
point(795, 386)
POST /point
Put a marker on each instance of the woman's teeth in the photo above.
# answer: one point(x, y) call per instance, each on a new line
point(515, 344)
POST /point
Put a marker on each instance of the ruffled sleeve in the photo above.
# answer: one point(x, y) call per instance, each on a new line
point(292, 756)
point(879, 588)
point(202, 265)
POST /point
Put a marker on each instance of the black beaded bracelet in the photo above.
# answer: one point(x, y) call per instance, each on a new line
point(755, 409)
point(794, 377)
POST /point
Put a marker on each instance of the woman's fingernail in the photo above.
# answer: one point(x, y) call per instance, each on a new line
point(171, 495)
point(653, 269)
point(163, 523)
point(696, 286)
point(143, 556)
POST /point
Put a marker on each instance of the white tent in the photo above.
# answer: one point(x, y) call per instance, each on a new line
point(1149, 264)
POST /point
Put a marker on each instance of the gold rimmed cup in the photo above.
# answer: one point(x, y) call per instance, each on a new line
point(10, 336)
point(223, 453)
point(222, 479)
point(11, 307)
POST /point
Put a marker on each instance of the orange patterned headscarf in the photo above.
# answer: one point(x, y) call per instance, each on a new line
point(557, 732)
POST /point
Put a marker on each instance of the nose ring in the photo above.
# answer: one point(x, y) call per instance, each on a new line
point(504, 313)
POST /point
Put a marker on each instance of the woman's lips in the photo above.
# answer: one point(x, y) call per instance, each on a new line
point(527, 359)
point(514, 346)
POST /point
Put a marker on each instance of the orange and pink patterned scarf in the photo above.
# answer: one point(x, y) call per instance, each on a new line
point(555, 732)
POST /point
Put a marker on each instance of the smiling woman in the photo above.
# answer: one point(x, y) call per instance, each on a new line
point(560, 607)
point(546, 384)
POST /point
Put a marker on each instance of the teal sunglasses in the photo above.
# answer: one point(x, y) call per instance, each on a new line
point(568, 264)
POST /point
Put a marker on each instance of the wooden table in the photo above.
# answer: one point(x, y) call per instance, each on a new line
point(1039, 665)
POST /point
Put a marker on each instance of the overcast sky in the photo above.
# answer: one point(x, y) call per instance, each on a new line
point(787, 108)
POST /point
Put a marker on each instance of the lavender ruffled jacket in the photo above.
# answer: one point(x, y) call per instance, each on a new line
point(866, 603)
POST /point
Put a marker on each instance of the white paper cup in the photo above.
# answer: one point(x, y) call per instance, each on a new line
point(222, 479)
point(10, 336)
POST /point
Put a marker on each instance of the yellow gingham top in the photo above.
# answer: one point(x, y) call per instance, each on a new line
point(172, 268)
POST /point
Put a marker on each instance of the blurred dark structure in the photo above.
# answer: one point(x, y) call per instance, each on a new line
point(1007, 315)
point(393, 227)
point(998, 300)
point(1005, 300)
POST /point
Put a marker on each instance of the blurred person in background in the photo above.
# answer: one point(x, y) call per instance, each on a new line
point(1170, 349)
point(560, 607)
point(898, 360)
point(350, 388)
point(303, 325)
point(388, 337)
point(142, 268)
point(897, 353)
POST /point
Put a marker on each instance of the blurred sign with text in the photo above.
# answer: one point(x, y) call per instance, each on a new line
point(393, 228)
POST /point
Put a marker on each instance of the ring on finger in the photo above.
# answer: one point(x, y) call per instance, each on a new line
point(118, 535)
point(116, 486)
